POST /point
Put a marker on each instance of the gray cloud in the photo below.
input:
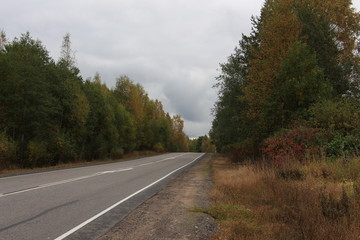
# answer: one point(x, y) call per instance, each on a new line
point(172, 48)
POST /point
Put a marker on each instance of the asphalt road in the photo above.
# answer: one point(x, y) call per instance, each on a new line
point(82, 203)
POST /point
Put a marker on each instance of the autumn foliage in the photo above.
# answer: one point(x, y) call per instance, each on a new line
point(300, 55)
point(294, 144)
point(49, 114)
point(288, 111)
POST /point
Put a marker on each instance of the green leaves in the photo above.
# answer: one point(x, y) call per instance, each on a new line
point(300, 83)
point(299, 53)
point(26, 102)
point(48, 115)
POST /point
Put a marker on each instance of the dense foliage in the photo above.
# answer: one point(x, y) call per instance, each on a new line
point(202, 144)
point(49, 114)
point(296, 73)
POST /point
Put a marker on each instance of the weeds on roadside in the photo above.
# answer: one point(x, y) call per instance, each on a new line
point(316, 201)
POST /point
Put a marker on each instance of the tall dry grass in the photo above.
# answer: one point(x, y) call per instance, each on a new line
point(316, 201)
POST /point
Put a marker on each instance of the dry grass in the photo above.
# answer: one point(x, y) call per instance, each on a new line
point(299, 202)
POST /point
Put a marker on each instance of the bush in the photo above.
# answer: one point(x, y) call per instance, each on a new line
point(63, 148)
point(343, 146)
point(116, 153)
point(340, 124)
point(38, 153)
point(7, 151)
point(292, 144)
point(240, 152)
point(341, 116)
point(159, 148)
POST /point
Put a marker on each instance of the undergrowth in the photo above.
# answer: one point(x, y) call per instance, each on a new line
point(319, 200)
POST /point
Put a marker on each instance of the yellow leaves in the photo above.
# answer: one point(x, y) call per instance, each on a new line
point(178, 136)
point(279, 29)
point(81, 109)
point(344, 19)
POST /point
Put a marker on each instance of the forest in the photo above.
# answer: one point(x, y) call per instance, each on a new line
point(291, 87)
point(288, 115)
point(50, 115)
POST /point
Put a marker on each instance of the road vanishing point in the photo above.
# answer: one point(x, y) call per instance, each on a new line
point(84, 202)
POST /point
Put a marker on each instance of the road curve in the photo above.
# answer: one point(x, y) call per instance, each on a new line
point(82, 203)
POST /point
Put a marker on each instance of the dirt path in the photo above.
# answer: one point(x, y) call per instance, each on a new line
point(168, 214)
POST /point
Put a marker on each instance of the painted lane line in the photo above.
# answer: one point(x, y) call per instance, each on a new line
point(62, 182)
point(71, 231)
point(150, 163)
point(85, 177)
point(65, 181)
point(19, 191)
point(100, 173)
point(115, 171)
point(58, 170)
point(158, 161)
point(123, 169)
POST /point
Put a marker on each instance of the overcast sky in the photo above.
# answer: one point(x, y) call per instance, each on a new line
point(171, 47)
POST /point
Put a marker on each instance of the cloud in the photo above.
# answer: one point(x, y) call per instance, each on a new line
point(172, 48)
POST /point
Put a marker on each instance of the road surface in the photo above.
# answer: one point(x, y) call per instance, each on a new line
point(82, 203)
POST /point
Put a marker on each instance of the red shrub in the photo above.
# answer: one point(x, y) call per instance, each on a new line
point(292, 144)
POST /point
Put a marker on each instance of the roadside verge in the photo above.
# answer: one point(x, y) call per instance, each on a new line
point(169, 214)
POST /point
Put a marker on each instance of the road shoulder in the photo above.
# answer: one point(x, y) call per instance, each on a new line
point(168, 214)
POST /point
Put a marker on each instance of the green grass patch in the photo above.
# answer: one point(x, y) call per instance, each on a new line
point(233, 215)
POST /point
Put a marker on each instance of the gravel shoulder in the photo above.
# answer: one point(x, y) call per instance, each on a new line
point(169, 214)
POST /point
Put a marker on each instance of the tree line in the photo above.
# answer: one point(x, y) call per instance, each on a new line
point(291, 87)
point(202, 144)
point(49, 114)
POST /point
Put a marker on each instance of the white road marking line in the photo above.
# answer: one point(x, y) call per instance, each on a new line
point(114, 171)
point(71, 231)
point(123, 169)
point(84, 177)
point(62, 182)
point(20, 191)
point(165, 159)
point(66, 181)
point(100, 173)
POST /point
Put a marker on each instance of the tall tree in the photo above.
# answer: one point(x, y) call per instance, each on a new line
point(48, 114)
point(300, 53)
point(101, 132)
point(3, 40)
point(179, 139)
point(300, 83)
point(73, 105)
point(134, 98)
point(67, 54)
point(27, 107)
point(230, 124)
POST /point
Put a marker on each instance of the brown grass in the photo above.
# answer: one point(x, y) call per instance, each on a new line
point(299, 202)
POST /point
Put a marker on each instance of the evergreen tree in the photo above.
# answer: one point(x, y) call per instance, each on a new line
point(27, 107)
point(298, 54)
point(48, 115)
